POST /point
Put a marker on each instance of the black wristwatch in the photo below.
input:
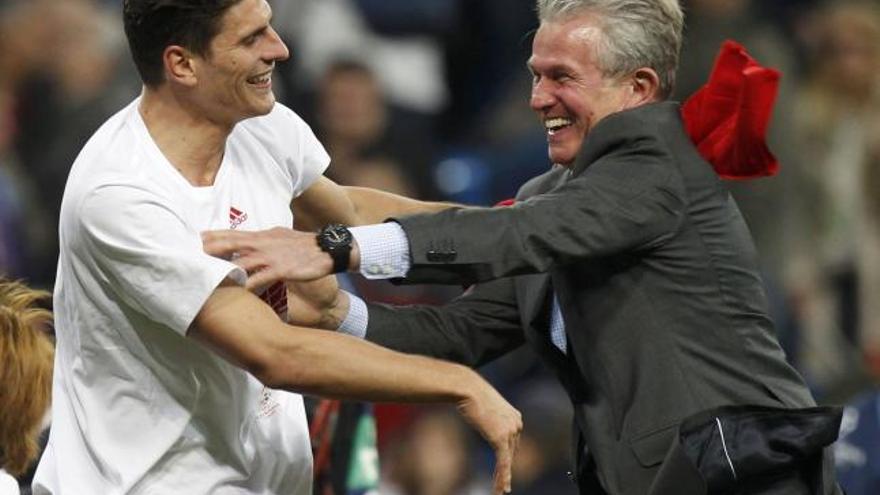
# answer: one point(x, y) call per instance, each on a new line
point(335, 239)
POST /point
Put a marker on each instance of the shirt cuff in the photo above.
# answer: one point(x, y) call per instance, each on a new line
point(355, 322)
point(384, 250)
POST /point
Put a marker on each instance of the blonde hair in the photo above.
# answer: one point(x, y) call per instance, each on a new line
point(26, 359)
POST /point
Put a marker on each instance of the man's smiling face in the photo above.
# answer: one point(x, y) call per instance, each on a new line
point(236, 76)
point(570, 94)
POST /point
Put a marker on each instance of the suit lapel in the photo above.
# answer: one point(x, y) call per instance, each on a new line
point(534, 291)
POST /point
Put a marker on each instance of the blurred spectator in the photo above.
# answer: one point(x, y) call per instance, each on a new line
point(833, 270)
point(11, 203)
point(27, 354)
point(870, 279)
point(434, 456)
point(409, 67)
point(63, 98)
point(21, 224)
point(486, 66)
point(355, 125)
point(710, 22)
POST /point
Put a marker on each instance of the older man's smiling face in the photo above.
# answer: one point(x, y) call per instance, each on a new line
point(569, 92)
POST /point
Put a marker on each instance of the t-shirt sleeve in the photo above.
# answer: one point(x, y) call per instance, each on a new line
point(147, 256)
point(290, 140)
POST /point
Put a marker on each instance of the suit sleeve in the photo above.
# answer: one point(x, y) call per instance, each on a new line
point(473, 329)
point(628, 200)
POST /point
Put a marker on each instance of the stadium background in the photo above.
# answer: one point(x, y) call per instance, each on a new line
point(429, 98)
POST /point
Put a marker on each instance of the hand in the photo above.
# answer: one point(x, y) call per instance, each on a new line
point(271, 255)
point(317, 304)
point(500, 424)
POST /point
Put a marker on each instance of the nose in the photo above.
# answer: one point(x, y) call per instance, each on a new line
point(541, 98)
point(277, 49)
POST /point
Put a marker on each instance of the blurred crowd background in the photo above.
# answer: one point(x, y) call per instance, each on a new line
point(429, 98)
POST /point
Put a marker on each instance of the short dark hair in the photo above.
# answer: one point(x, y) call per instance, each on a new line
point(153, 25)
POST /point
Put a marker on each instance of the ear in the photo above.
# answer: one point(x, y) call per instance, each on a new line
point(645, 86)
point(179, 65)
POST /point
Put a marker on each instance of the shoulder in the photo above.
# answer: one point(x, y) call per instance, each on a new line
point(113, 145)
point(283, 134)
point(112, 160)
point(290, 143)
point(280, 122)
point(643, 130)
point(541, 183)
point(640, 144)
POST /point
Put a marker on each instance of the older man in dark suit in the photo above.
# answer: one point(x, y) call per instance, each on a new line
point(628, 267)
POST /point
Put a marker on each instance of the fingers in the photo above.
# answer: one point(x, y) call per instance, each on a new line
point(250, 262)
point(223, 243)
point(503, 468)
point(505, 450)
point(270, 255)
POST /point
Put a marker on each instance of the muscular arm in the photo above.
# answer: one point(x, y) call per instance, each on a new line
point(238, 326)
point(327, 202)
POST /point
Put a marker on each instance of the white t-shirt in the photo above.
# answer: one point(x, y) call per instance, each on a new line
point(8, 484)
point(138, 407)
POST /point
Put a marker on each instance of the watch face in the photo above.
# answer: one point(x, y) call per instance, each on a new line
point(335, 236)
point(336, 241)
point(338, 236)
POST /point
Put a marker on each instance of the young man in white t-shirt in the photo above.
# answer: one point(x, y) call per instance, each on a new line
point(168, 371)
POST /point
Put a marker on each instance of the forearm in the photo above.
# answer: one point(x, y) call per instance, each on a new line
point(245, 331)
point(327, 202)
point(237, 325)
point(375, 206)
point(339, 366)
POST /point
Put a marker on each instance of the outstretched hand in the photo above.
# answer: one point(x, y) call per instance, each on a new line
point(500, 424)
point(278, 254)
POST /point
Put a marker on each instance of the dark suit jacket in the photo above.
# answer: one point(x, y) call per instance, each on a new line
point(656, 277)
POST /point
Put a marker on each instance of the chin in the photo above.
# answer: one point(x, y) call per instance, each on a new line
point(564, 159)
point(264, 107)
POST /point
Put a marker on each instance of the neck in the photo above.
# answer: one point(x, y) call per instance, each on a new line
point(191, 141)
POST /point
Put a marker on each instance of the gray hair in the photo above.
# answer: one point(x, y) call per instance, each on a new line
point(635, 33)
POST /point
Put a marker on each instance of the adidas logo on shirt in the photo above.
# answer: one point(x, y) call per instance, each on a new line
point(236, 217)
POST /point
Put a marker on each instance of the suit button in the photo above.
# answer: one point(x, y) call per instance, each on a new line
point(441, 256)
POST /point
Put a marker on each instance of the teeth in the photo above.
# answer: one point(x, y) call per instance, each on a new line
point(556, 123)
point(260, 80)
